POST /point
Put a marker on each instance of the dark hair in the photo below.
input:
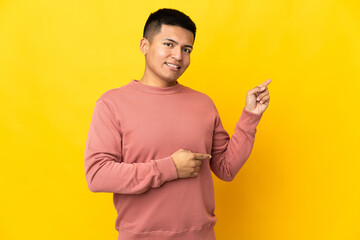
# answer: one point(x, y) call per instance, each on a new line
point(167, 16)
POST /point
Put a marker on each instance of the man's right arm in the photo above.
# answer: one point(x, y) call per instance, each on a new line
point(104, 170)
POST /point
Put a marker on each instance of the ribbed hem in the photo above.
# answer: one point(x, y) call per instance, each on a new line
point(155, 90)
point(203, 234)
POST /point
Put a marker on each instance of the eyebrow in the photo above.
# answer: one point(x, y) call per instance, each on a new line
point(171, 40)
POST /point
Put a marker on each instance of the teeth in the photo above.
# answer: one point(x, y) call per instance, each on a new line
point(172, 65)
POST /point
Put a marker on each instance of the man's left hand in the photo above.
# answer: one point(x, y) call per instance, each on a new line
point(257, 99)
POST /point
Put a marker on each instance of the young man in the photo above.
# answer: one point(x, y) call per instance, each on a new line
point(154, 142)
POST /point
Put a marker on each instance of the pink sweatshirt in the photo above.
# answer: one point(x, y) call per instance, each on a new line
point(134, 130)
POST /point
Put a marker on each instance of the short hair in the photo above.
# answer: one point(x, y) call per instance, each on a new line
point(167, 16)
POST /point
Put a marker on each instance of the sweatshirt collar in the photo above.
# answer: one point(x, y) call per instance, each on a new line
point(155, 90)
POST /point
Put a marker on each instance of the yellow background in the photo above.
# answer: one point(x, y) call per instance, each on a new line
point(302, 179)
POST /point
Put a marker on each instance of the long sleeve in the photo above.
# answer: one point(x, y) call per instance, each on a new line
point(230, 154)
point(104, 169)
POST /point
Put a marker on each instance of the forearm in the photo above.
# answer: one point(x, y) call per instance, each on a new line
point(229, 155)
point(104, 174)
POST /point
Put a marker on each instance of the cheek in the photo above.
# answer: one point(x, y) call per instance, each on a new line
point(162, 53)
point(187, 61)
point(158, 54)
point(165, 54)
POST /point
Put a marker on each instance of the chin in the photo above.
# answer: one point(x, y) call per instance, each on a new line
point(171, 80)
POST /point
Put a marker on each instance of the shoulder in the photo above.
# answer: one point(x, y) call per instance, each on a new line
point(199, 96)
point(113, 97)
point(114, 94)
point(111, 93)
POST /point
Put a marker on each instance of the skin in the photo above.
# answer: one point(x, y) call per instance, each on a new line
point(257, 99)
point(173, 45)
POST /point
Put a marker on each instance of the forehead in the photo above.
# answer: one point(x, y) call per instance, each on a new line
point(176, 33)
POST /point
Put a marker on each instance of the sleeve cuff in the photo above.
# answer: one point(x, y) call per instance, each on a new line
point(166, 168)
point(248, 121)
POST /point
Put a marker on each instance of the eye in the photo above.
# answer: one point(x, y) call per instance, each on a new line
point(187, 50)
point(168, 44)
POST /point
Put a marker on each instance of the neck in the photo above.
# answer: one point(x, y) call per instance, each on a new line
point(153, 81)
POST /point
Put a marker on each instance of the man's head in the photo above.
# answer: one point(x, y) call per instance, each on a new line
point(168, 17)
point(167, 43)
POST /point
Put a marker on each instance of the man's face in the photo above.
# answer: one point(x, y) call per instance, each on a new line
point(168, 54)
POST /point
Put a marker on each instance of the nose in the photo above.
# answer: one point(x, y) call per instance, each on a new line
point(177, 53)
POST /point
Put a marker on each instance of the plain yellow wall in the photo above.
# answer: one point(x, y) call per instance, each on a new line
point(302, 179)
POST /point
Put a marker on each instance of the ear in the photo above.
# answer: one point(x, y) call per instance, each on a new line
point(144, 45)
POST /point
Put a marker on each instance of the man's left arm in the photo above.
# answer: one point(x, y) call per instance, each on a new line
point(230, 154)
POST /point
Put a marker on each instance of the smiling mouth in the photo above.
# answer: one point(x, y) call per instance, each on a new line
point(173, 65)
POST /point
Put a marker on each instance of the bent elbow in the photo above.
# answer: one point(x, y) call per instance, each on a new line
point(92, 184)
point(93, 188)
point(225, 176)
point(93, 179)
point(228, 178)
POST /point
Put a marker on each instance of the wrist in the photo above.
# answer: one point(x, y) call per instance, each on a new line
point(252, 112)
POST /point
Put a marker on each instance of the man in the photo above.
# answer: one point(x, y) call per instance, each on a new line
point(154, 142)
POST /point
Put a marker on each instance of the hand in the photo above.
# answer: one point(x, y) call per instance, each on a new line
point(188, 163)
point(257, 99)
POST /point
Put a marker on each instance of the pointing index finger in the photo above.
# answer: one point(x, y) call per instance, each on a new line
point(264, 84)
point(201, 156)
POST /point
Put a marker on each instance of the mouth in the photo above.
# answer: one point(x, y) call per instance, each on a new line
point(173, 66)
